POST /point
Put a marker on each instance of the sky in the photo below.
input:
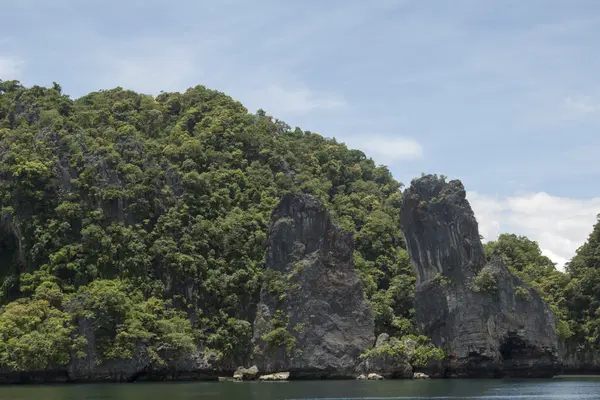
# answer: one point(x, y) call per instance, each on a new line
point(502, 94)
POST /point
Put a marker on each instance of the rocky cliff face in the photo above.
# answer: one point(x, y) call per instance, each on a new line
point(490, 323)
point(579, 361)
point(313, 319)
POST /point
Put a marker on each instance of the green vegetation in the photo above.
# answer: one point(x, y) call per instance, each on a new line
point(441, 280)
point(34, 335)
point(574, 295)
point(417, 350)
point(523, 293)
point(148, 216)
point(484, 282)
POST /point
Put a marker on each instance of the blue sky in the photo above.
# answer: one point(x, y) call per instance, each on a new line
point(503, 94)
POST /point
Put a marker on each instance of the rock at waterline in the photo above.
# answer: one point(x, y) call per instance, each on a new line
point(420, 375)
point(246, 374)
point(278, 376)
point(374, 377)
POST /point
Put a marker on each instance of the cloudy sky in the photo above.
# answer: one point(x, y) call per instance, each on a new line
point(502, 94)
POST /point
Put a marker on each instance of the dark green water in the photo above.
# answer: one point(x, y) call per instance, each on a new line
point(559, 388)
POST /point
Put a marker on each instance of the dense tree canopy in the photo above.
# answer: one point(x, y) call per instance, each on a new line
point(149, 215)
point(574, 295)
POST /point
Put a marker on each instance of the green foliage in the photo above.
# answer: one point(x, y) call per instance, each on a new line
point(123, 319)
point(119, 200)
point(518, 252)
point(280, 337)
point(523, 293)
point(484, 282)
point(148, 215)
point(34, 335)
point(424, 352)
point(417, 350)
point(441, 280)
point(393, 348)
point(563, 330)
point(583, 291)
point(573, 296)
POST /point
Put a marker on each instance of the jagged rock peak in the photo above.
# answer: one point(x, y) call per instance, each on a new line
point(301, 225)
point(489, 322)
point(313, 319)
point(441, 231)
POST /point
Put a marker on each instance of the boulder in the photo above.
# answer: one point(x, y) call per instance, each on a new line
point(313, 319)
point(246, 374)
point(382, 339)
point(468, 305)
point(278, 376)
point(420, 375)
point(374, 377)
point(361, 377)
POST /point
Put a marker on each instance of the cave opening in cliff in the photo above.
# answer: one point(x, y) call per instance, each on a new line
point(512, 347)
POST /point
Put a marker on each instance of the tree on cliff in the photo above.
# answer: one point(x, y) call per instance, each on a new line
point(574, 294)
point(583, 292)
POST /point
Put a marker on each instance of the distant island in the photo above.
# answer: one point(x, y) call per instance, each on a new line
point(181, 237)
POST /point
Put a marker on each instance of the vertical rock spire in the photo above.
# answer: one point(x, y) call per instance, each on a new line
point(489, 322)
point(313, 319)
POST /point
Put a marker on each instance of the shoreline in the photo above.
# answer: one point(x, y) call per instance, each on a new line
point(229, 379)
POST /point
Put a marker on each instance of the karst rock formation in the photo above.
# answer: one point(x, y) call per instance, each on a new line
point(487, 320)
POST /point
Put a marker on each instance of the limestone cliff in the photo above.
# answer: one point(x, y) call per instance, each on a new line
point(490, 323)
point(313, 319)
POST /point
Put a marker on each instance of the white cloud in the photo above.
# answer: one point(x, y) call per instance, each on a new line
point(385, 149)
point(282, 101)
point(10, 68)
point(579, 107)
point(560, 225)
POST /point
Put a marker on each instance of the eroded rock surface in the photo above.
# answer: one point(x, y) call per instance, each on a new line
point(246, 374)
point(489, 322)
point(278, 376)
point(313, 319)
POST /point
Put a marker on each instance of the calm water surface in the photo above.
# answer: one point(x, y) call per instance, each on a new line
point(558, 388)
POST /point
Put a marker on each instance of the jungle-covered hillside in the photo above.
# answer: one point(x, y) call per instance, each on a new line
point(149, 216)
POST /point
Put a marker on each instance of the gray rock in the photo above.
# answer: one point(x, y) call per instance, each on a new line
point(278, 376)
point(382, 339)
point(246, 374)
point(313, 319)
point(469, 306)
point(578, 360)
point(361, 377)
point(420, 375)
point(374, 377)
point(411, 345)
